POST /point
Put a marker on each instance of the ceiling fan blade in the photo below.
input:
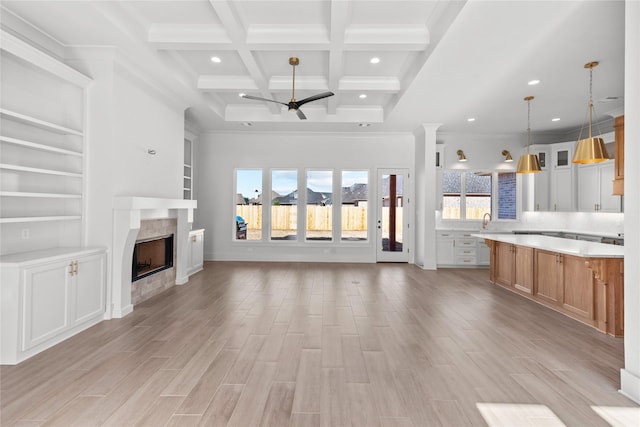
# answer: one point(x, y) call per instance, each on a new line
point(257, 98)
point(315, 98)
point(301, 115)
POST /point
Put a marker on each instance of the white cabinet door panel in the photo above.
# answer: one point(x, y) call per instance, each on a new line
point(90, 288)
point(46, 303)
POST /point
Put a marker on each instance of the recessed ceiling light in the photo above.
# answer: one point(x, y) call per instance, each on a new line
point(216, 59)
point(471, 119)
point(555, 119)
point(374, 60)
point(363, 96)
point(245, 123)
point(364, 125)
point(533, 82)
point(242, 94)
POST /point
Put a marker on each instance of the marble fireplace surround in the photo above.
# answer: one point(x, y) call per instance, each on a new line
point(128, 212)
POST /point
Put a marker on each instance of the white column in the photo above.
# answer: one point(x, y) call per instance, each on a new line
point(425, 152)
point(630, 375)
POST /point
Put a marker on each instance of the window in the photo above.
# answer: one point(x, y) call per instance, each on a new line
point(319, 205)
point(248, 220)
point(284, 204)
point(451, 194)
point(507, 196)
point(477, 194)
point(354, 201)
point(281, 210)
point(466, 195)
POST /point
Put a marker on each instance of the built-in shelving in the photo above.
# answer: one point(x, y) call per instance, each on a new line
point(42, 124)
point(187, 188)
point(15, 220)
point(40, 195)
point(42, 115)
point(41, 147)
point(39, 170)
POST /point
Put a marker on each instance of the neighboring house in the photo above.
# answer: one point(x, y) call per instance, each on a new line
point(356, 194)
point(313, 198)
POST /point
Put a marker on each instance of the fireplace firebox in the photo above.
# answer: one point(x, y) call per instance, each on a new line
point(151, 256)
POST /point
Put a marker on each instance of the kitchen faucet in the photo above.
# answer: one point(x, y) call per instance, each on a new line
point(484, 220)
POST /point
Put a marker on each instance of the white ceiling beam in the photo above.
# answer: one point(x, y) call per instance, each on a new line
point(278, 83)
point(372, 84)
point(226, 83)
point(341, 12)
point(287, 34)
point(238, 36)
point(315, 114)
point(388, 35)
point(188, 37)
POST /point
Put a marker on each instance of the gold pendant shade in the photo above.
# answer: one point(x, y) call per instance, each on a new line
point(528, 163)
point(590, 150)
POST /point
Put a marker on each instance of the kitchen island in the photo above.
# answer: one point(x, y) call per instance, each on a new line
point(583, 280)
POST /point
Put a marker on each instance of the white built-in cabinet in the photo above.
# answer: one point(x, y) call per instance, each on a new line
point(595, 188)
point(566, 187)
point(52, 287)
point(42, 139)
point(562, 180)
point(48, 296)
point(195, 255)
point(540, 181)
point(187, 179)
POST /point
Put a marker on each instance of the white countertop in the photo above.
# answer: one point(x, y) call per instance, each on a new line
point(557, 244)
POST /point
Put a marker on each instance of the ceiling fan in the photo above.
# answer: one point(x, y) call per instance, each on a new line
point(293, 104)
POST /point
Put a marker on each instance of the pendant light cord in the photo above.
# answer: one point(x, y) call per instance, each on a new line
point(528, 124)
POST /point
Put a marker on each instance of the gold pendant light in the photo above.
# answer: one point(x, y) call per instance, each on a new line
point(590, 150)
point(528, 163)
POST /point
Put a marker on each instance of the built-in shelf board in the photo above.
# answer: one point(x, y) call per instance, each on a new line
point(40, 195)
point(42, 124)
point(38, 170)
point(15, 220)
point(186, 165)
point(41, 147)
point(186, 177)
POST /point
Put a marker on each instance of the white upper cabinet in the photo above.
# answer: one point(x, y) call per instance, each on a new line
point(595, 187)
point(561, 155)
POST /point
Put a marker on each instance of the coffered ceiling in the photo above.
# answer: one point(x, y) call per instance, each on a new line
point(440, 61)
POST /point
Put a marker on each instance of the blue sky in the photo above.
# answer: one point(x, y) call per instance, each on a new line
point(284, 181)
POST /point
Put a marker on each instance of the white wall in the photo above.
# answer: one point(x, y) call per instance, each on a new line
point(125, 117)
point(219, 154)
point(630, 375)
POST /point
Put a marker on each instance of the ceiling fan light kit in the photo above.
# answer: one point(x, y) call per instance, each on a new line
point(293, 104)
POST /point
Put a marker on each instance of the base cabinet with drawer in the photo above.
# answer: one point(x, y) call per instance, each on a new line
point(48, 296)
point(458, 248)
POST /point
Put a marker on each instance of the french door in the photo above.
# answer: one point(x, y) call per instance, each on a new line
point(392, 223)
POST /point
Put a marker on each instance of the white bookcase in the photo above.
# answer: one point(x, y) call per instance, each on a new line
point(42, 137)
point(187, 187)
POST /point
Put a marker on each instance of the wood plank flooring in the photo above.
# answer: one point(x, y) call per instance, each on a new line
point(299, 344)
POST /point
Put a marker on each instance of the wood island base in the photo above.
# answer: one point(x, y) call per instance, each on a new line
point(587, 289)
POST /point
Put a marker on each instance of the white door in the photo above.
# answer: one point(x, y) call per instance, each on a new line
point(392, 215)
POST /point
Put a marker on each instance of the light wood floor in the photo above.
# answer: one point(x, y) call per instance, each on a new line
point(293, 344)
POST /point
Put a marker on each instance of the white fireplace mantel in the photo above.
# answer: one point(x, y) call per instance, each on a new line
point(128, 211)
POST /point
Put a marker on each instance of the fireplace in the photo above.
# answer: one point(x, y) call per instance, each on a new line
point(151, 256)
